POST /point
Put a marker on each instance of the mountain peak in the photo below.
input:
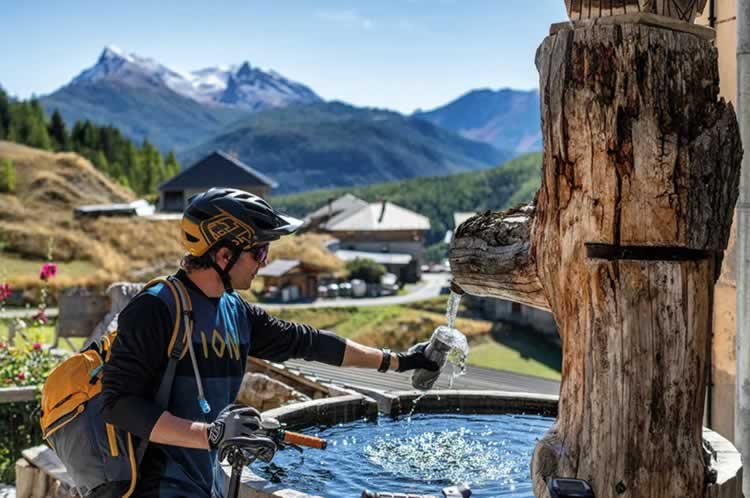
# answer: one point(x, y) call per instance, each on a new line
point(113, 52)
point(245, 70)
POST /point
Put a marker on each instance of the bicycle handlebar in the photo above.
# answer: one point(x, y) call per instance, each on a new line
point(304, 440)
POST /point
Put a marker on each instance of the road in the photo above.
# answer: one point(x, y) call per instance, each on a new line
point(428, 288)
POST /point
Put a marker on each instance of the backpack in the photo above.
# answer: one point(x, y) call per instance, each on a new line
point(96, 453)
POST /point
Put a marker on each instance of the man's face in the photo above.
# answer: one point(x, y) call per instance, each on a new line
point(244, 270)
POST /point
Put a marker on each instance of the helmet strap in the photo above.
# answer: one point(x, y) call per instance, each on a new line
point(224, 272)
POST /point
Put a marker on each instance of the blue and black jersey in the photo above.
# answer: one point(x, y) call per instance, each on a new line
point(226, 330)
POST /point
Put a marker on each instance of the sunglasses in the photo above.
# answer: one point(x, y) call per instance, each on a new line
point(260, 253)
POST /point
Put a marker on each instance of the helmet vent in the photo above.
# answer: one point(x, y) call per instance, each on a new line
point(190, 238)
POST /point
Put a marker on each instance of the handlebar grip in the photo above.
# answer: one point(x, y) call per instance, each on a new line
point(303, 440)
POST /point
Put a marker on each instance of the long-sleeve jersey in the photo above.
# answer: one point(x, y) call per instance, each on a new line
point(226, 330)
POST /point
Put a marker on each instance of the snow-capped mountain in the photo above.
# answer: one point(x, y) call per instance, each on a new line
point(130, 69)
point(242, 87)
point(253, 89)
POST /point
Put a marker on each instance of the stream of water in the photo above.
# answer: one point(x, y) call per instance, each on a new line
point(451, 336)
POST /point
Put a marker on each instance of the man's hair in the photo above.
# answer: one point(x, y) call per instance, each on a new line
point(190, 262)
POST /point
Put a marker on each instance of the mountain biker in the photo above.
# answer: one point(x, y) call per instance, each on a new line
point(226, 233)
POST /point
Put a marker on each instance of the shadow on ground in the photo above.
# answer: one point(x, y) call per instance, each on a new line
point(528, 343)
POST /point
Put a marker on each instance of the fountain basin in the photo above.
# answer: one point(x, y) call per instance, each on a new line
point(356, 407)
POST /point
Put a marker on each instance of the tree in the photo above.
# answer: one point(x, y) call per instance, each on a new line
point(365, 269)
point(7, 176)
point(171, 166)
point(101, 163)
point(4, 114)
point(38, 136)
point(58, 132)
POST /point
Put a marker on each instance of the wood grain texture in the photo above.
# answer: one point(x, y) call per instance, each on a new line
point(490, 257)
point(640, 151)
point(684, 10)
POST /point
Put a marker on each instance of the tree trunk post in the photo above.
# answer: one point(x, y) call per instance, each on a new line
point(640, 177)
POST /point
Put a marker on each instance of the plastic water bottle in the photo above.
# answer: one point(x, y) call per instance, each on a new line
point(437, 350)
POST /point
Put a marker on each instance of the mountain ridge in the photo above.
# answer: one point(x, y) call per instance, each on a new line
point(506, 118)
point(335, 144)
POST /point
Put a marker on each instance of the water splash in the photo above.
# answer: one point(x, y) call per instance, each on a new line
point(490, 452)
point(454, 300)
point(454, 456)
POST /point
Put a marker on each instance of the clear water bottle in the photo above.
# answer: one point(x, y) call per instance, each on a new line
point(437, 350)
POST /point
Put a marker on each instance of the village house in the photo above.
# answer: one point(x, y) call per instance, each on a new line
point(218, 169)
point(382, 231)
point(291, 280)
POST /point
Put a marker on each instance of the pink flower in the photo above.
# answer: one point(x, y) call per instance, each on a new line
point(41, 317)
point(4, 291)
point(37, 346)
point(3, 345)
point(21, 375)
point(48, 271)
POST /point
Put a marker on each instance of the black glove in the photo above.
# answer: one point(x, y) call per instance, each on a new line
point(232, 422)
point(415, 358)
point(252, 447)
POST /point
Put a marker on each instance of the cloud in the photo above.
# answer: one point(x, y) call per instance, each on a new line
point(348, 18)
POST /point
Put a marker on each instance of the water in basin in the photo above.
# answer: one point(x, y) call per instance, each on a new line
point(492, 453)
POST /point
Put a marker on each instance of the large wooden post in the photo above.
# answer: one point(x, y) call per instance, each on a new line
point(640, 177)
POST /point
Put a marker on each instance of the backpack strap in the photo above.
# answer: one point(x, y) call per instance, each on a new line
point(181, 333)
point(177, 346)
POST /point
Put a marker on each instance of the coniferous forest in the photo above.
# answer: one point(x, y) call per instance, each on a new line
point(141, 168)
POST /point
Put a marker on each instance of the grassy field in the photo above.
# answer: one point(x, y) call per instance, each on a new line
point(398, 327)
point(13, 266)
point(491, 354)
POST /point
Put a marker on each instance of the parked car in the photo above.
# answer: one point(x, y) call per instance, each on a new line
point(345, 289)
point(389, 284)
point(359, 288)
point(333, 290)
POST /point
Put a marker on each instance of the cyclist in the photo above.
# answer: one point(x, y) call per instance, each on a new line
point(226, 234)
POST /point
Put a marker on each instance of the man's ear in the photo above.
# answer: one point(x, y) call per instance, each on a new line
point(222, 256)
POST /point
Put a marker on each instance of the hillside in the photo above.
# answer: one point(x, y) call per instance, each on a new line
point(306, 147)
point(508, 119)
point(164, 117)
point(50, 185)
point(513, 183)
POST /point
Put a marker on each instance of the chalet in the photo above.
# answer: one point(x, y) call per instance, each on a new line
point(382, 228)
point(292, 279)
point(218, 169)
point(331, 209)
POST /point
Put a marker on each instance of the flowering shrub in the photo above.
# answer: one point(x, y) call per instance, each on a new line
point(25, 362)
point(25, 366)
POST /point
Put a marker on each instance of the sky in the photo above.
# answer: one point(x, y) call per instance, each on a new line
point(396, 54)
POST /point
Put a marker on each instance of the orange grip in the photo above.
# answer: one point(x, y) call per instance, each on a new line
point(303, 440)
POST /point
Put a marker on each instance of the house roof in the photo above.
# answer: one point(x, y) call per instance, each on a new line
point(384, 258)
point(378, 216)
point(279, 267)
point(345, 203)
point(217, 169)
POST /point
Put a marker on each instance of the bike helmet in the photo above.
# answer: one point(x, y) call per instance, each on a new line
point(234, 218)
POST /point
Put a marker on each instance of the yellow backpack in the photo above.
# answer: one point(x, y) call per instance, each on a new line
point(95, 453)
